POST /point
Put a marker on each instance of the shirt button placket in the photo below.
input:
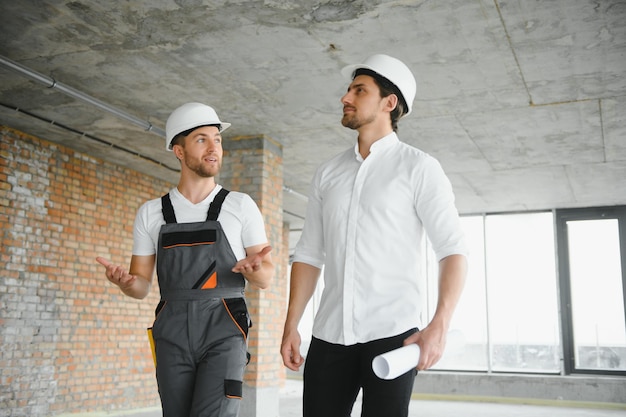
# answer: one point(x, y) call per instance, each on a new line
point(350, 262)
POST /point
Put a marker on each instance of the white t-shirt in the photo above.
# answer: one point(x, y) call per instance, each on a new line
point(365, 223)
point(240, 218)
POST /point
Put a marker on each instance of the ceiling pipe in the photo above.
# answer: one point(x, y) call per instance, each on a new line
point(52, 83)
point(72, 92)
point(295, 193)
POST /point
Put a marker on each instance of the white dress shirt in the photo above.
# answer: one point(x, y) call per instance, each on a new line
point(365, 225)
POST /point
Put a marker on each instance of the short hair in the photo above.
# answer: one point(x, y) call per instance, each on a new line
point(387, 88)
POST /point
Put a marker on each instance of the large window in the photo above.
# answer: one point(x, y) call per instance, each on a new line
point(592, 276)
point(522, 287)
point(508, 314)
point(521, 310)
point(597, 302)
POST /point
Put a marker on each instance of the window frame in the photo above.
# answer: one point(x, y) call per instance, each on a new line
point(562, 216)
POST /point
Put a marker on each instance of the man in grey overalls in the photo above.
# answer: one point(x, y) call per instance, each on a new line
point(206, 243)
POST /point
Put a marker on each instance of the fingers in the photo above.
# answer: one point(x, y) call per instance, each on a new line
point(292, 358)
point(290, 350)
point(294, 363)
point(252, 263)
point(430, 350)
point(103, 261)
point(246, 267)
point(243, 267)
point(120, 276)
point(429, 355)
point(427, 361)
point(414, 338)
point(115, 273)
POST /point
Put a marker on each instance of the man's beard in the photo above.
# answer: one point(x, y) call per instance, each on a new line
point(201, 170)
point(352, 121)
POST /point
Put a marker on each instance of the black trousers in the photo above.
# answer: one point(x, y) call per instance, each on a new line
point(334, 374)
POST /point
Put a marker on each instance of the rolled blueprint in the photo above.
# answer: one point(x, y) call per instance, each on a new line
point(396, 362)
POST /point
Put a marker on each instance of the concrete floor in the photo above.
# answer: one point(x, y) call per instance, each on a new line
point(291, 406)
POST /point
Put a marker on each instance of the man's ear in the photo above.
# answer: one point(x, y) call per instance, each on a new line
point(392, 102)
point(178, 151)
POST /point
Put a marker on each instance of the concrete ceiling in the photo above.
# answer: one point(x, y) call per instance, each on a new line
point(523, 102)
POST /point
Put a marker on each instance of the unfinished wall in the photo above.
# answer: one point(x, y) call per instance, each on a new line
point(70, 341)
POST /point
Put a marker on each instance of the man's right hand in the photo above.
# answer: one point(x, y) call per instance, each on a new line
point(117, 274)
point(290, 350)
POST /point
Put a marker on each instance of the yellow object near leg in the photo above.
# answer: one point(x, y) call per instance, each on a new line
point(152, 348)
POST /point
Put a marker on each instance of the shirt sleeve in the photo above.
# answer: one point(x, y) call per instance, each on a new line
point(143, 240)
point(310, 247)
point(437, 211)
point(253, 226)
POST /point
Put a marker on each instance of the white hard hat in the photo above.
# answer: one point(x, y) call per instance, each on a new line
point(392, 69)
point(187, 117)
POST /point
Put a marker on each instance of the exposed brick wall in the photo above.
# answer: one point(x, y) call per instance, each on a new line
point(70, 341)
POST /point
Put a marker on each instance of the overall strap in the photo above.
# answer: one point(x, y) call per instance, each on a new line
point(168, 209)
point(216, 205)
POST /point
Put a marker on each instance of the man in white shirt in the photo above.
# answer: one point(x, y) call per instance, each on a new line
point(206, 243)
point(368, 210)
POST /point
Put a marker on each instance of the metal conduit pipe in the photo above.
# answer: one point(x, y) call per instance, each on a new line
point(72, 92)
point(52, 83)
point(295, 193)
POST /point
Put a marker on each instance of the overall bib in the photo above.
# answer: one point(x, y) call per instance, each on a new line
point(202, 321)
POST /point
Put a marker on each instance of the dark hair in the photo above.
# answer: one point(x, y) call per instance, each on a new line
point(387, 88)
point(181, 135)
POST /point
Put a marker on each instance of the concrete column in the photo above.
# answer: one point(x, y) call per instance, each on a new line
point(254, 165)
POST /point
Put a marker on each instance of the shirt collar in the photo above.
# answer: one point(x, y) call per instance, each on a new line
point(381, 144)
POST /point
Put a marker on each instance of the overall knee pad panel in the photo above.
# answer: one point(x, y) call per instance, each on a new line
point(233, 389)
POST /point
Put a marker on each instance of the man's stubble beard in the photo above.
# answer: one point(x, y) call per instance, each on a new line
point(201, 171)
point(352, 121)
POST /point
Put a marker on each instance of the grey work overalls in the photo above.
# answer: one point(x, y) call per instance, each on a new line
point(202, 320)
